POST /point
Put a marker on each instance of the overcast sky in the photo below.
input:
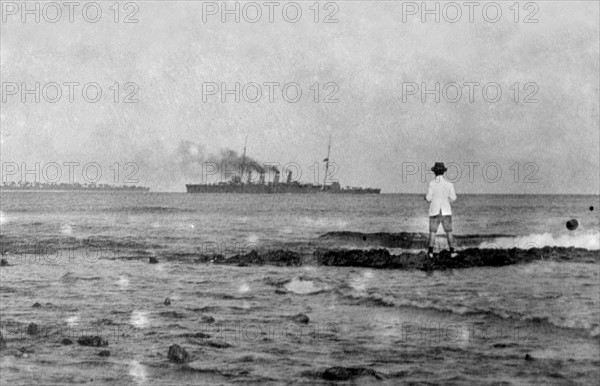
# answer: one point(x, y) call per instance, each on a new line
point(370, 54)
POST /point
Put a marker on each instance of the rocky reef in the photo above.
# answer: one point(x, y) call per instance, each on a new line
point(382, 259)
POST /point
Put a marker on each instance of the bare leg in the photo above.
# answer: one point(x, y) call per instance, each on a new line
point(431, 239)
point(450, 240)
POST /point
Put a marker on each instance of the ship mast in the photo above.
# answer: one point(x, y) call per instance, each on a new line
point(243, 159)
point(326, 160)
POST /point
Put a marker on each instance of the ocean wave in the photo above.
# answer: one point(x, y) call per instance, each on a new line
point(147, 209)
point(534, 322)
point(305, 287)
point(589, 240)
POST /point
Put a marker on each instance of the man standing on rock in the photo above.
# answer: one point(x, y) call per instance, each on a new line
point(440, 195)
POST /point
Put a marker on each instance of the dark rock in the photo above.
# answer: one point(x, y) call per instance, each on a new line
point(207, 319)
point(178, 354)
point(66, 341)
point(278, 257)
point(3, 263)
point(167, 302)
point(33, 329)
point(36, 305)
point(27, 350)
point(197, 335)
point(104, 353)
point(371, 258)
point(153, 260)
point(93, 341)
point(528, 357)
point(300, 318)
point(218, 344)
point(348, 373)
point(172, 314)
point(2, 342)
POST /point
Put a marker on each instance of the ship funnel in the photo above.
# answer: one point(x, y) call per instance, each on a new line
point(289, 178)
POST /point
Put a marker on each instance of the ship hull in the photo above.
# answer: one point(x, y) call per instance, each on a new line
point(273, 189)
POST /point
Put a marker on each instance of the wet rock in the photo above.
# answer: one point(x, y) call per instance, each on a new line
point(300, 318)
point(167, 302)
point(92, 341)
point(36, 305)
point(66, 341)
point(218, 344)
point(104, 353)
point(528, 357)
point(372, 258)
point(207, 319)
point(348, 373)
point(280, 257)
point(33, 329)
point(172, 314)
point(153, 260)
point(4, 263)
point(197, 335)
point(178, 354)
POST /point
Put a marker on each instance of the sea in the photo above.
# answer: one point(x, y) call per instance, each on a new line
point(78, 265)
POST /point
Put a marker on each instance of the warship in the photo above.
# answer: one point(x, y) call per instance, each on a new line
point(238, 185)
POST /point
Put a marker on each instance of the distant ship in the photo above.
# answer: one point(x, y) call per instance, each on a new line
point(40, 186)
point(236, 185)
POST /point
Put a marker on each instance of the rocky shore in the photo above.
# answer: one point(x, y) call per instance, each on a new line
point(383, 259)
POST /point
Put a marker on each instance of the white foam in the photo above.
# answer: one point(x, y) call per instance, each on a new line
point(66, 229)
point(587, 239)
point(123, 282)
point(138, 371)
point(244, 288)
point(139, 319)
point(72, 320)
point(360, 283)
point(302, 287)
point(4, 219)
point(252, 239)
point(324, 222)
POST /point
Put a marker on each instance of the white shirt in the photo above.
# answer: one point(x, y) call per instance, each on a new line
point(440, 195)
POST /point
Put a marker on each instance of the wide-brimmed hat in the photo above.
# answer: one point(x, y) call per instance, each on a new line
point(438, 167)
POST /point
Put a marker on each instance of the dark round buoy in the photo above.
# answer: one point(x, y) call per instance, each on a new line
point(572, 224)
point(591, 208)
point(364, 238)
